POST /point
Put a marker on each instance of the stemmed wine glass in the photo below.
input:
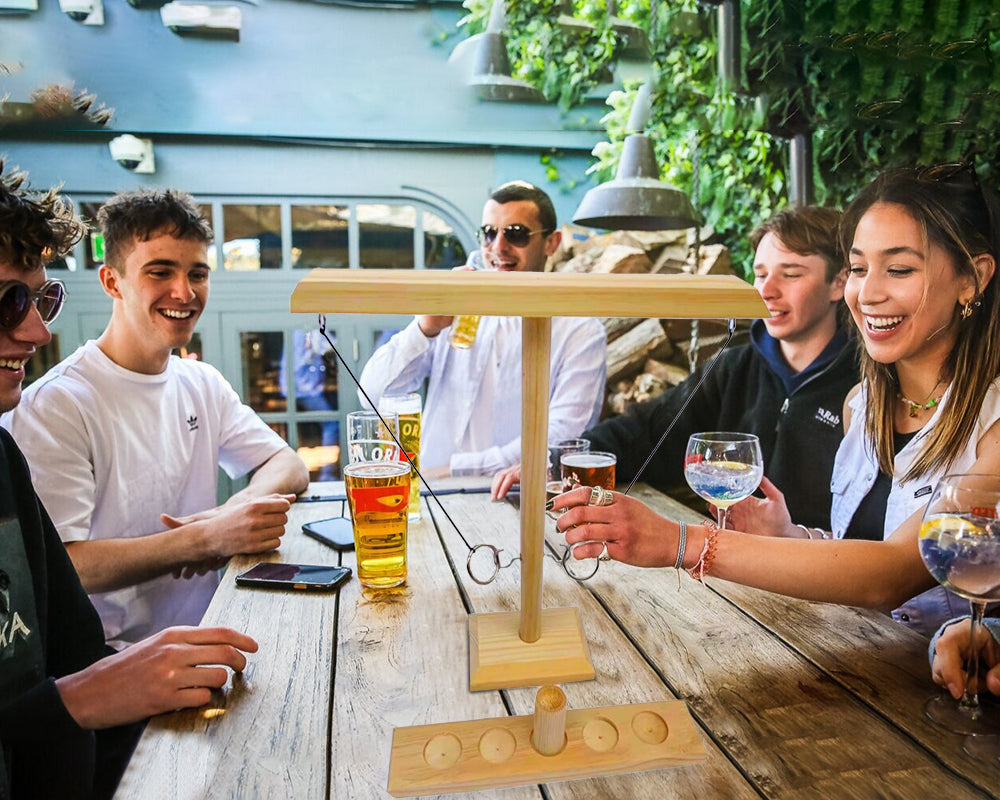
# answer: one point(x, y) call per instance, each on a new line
point(723, 468)
point(960, 544)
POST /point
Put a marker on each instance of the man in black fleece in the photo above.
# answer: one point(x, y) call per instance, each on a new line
point(787, 386)
point(70, 707)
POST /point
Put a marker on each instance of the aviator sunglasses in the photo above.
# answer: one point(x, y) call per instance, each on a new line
point(516, 235)
point(16, 299)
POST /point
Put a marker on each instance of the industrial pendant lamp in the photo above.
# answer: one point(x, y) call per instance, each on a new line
point(491, 67)
point(634, 40)
point(569, 23)
point(636, 199)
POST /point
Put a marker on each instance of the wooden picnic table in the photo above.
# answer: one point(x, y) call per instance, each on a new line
point(792, 699)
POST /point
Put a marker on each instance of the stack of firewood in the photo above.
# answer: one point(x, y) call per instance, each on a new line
point(646, 356)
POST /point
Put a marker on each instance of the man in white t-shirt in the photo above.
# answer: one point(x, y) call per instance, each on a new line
point(472, 416)
point(125, 441)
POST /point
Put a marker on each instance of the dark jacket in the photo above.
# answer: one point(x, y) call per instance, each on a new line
point(48, 629)
point(797, 417)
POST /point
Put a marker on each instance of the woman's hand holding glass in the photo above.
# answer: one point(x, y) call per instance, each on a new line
point(763, 517)
point(723, 468)
point(960, 545)
point(634, 533)
point(951, 653)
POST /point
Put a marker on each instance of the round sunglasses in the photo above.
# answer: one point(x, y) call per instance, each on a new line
point(516, 235)
point(16, 299)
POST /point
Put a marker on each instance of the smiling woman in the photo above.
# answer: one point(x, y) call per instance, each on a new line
point(923, 293)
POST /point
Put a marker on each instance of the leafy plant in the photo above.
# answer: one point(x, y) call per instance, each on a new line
point(877, 83)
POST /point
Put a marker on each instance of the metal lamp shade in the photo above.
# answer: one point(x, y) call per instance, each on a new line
point(636, 200)
point(491, 73)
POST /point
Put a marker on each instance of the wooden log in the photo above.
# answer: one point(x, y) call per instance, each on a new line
point(619, 258)
point(672, 258)
point(670, 374)
point(616, 326)
point(715, 260)
point(628, 352)
point(548, 736)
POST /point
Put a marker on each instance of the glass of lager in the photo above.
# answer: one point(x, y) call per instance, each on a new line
point(407, 407)
point(378, 494)
point(464, 327)
point(369, 440)
point(588, 468)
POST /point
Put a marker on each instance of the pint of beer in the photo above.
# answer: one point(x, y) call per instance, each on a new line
point(588, 469)
point(463, 332)
point(378, 495)
point(463, 329)
point(407, 408)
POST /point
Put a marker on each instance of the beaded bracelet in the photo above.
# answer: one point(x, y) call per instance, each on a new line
point(704, 563)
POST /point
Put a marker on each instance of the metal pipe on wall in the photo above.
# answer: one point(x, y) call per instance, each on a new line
point(800, 179)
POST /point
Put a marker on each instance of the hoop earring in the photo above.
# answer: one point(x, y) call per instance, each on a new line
point(967, 310)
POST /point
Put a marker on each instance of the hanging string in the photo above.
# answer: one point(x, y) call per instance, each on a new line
point(497, 566)
point(336, 352)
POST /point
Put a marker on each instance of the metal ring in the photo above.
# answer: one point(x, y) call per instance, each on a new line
point(496, 564)
point(599, 496)
point(567, 554)
point(605, 555)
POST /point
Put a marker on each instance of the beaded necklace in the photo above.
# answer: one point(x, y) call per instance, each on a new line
point(912, 409)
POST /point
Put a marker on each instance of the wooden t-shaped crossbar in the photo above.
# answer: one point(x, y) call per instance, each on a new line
point(534, 646)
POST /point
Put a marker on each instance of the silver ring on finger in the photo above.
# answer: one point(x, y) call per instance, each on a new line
point(605, 555)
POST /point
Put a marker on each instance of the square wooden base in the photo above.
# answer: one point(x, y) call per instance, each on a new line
point(498, 659)
point(489, 753)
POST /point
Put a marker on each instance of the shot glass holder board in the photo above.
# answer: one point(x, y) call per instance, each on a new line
point(531, 647)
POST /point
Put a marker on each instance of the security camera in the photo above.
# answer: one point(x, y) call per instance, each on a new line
point(133, 153)
point(89, 12)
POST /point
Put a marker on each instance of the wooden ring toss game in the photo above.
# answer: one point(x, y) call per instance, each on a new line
point(534, 646)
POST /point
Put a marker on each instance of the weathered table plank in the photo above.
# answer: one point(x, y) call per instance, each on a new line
point(402, 660)
point(622, 674)
point(267, 738)
point(884, 665)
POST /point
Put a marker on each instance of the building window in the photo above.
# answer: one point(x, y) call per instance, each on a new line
point(320, 237)
point(386, 236)
point(442, 248)
point(253, 237)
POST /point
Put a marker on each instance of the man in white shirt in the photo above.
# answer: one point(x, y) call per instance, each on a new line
point(472, 415)
point(125, 441)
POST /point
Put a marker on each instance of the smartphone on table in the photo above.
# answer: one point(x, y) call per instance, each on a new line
point(305, 577)
point(335, 532)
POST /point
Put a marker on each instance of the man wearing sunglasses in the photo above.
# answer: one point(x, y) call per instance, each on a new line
point(67, 701)
point(471, 418)
point(126, 441)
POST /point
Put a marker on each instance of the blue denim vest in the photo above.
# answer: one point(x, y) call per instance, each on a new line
point(854, 473)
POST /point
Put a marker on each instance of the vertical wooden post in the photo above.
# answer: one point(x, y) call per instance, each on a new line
point(549, 734)
point(536, 335)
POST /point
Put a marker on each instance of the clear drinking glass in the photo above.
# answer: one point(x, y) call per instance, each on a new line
point(464, 328)
point(723, 468)
point(960, 545)
point(588, 468)
point(368, 438)
point(407, 407)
